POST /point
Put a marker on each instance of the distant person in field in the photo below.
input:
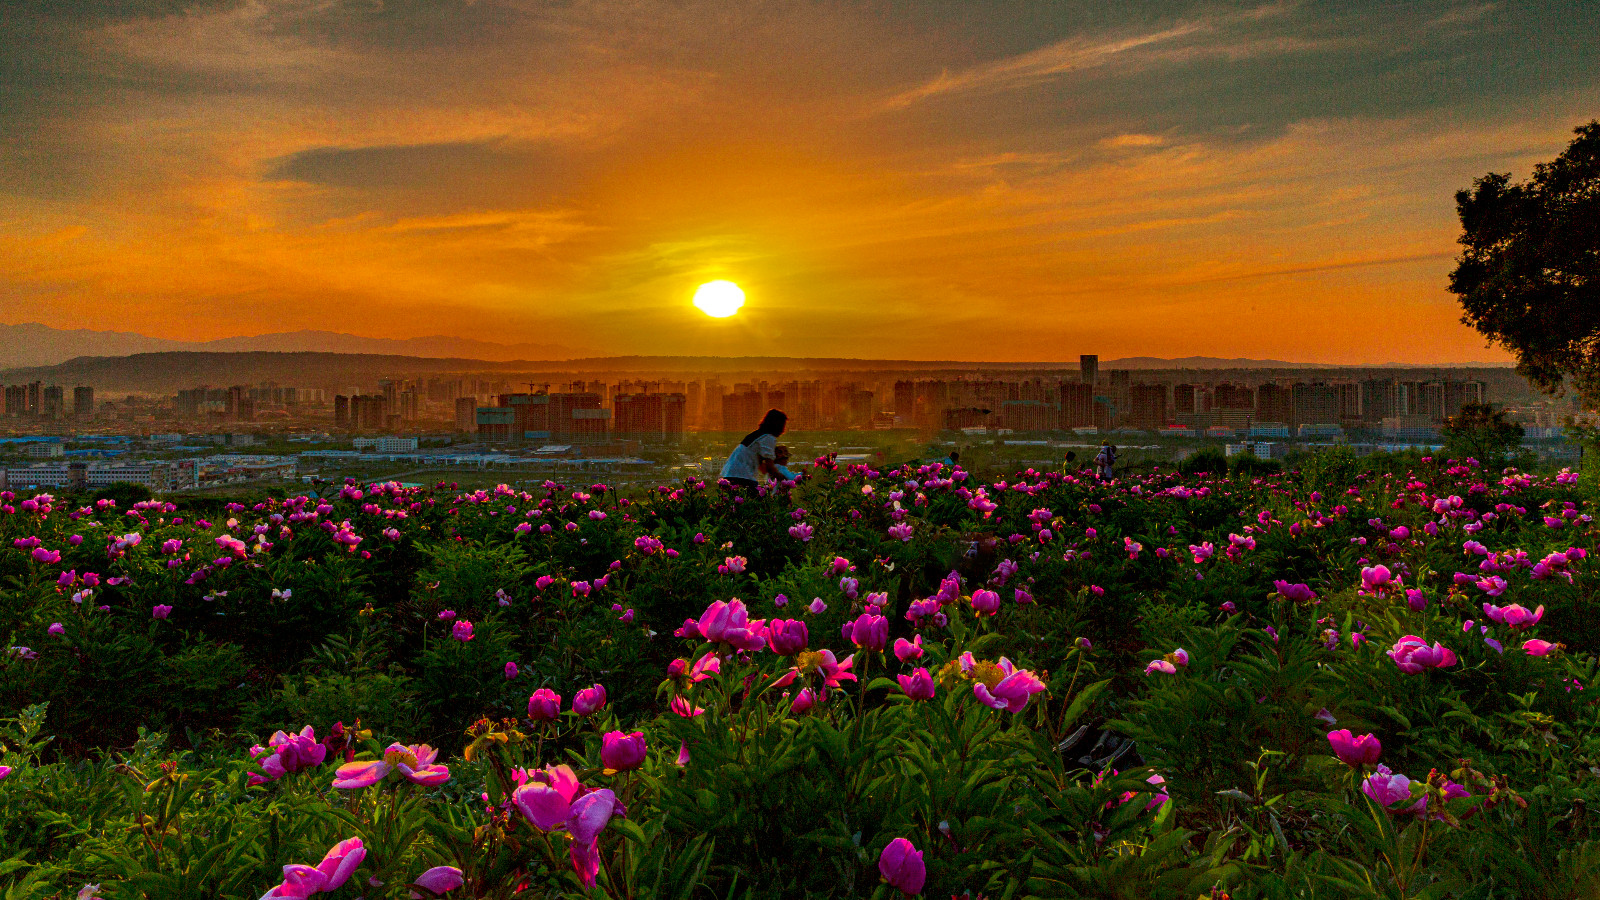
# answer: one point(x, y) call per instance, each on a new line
point(1070, 463)
point(954, 459)
point(755, 458)
point(1106, 460)
point(780, 464)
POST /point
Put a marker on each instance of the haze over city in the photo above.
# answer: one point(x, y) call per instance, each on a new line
point(986, 182)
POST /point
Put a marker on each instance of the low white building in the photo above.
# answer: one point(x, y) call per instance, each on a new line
point(157, 476)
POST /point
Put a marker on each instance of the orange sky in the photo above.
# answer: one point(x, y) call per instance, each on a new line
point(909, 180)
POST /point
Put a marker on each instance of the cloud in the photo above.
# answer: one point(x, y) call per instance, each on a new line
point(1069, 55)
point(1201, 36)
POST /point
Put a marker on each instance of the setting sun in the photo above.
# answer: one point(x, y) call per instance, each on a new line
point(719, 299)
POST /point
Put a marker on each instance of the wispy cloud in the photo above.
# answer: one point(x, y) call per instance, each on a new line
point(1212, 35)
point(1072, 54)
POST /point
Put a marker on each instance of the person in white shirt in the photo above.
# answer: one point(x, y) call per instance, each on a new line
point(754, 458)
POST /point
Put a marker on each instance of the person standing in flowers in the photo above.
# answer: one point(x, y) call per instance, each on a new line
point(1105, 461)
point(755, 458)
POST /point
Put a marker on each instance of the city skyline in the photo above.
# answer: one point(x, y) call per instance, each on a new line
point(993, 183)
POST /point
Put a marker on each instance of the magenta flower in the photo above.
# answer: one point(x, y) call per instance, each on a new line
point(1011, 693)
point(1416, 600)
point(901, 866)
point(1386, 788)
point(1412, 654)
point(544, 705)
point(589, 816)
point(1515, 616)
point(985, 602)
point(918, 685)
point(906, 651)
point(1297, 593)
point(414, 763)
point(684, 707)
point(816, 606)
point(57, 629)
point(461, 630)
point(329, 875)
point(822, 663)
point(1378, 580)
point(1493, 585)
point(804, 699)
point(511, 670)
point(730, 623)
point(438, 880)
point(446, 615)
point(1161, 795)
point(621, 752)
point(1355, 751)
point(546, 797)
point(901, 531)
point(288, 753)
point(160, 611)
point(787, 637)
point(869, 632)
point(1536, 647)
point(589, 700)
point(48, 557)
point(1163, 666)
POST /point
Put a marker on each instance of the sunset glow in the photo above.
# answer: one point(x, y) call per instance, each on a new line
point(925, 182)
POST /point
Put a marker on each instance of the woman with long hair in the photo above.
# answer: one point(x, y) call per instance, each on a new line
point(755, 456)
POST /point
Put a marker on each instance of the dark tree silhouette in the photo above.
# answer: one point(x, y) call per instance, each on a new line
point(1482, 432)
point(1529, 275)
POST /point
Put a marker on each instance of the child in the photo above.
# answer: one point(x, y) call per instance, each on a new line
point(780, 464)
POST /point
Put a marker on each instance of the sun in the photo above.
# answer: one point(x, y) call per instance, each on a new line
point(718, 299)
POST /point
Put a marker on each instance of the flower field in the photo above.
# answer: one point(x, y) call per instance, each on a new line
point(1331, 682)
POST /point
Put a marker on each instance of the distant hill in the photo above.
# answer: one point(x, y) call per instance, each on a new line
point(31, 345)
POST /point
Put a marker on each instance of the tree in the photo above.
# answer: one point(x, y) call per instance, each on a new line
point(1482, 432)
point(1529, 275)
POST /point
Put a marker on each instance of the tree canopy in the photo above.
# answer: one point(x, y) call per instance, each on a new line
point(1529, 273)
point(1482, 432)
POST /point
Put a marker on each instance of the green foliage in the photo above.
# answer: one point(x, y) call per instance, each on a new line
point(124, 493)
point(1481, 432)
point(1178, 747)
point(1206, 460)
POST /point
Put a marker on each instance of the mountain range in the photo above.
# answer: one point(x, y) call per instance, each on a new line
point(32, 345)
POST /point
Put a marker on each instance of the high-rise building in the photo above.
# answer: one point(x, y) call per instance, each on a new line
point(1121, 384)
point(1233, 396)
point(1349, 394)
point(1274, 403)
point(83, 401)
point(742, 411)
point(53, 403)
point(1183, 399)
point(1077, 405)
point(1088, 368)
point(648, 416)
point(1316, 403)
point(341, 410)
point(16, 401)
point(1147, 404)
point(1380, 399)
point(466, 414)
point(369, 412)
